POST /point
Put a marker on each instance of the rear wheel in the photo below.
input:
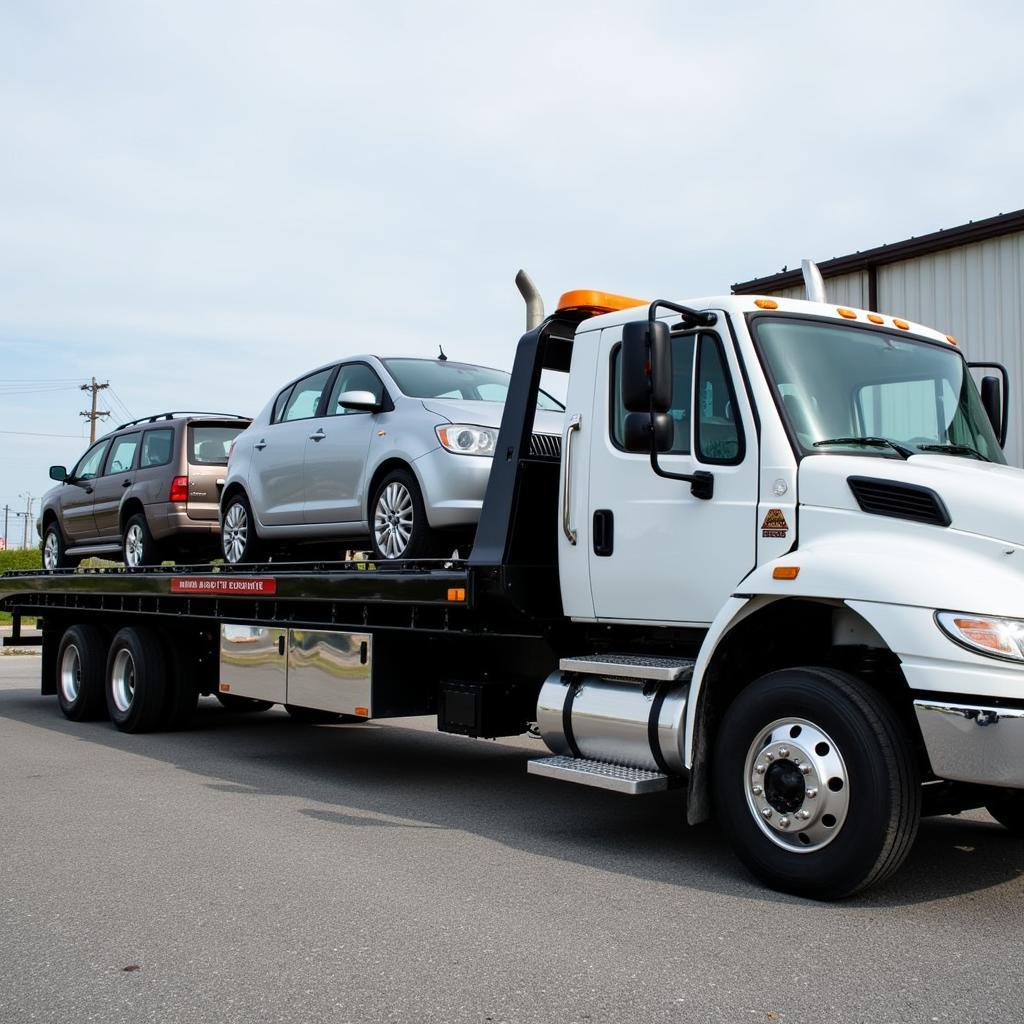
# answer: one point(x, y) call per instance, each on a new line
point(232, 702)
point(1009, 812)
point(138, 545)
point(815, 783)
point(81, 662)
point(238, 532)
point(312, 716)
point(137, 681)
point(398, 519)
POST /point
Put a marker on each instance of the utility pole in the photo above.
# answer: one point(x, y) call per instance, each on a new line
point(93, 416)
point(7, 511)
point(28, 515)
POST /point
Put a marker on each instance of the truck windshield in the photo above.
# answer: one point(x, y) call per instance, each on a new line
point(434, 378)
point(855, 390)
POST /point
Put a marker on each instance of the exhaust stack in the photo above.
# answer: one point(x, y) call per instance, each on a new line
point(534, 302)
point(814, 283)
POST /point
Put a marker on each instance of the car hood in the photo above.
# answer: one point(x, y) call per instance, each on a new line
point(487, 414)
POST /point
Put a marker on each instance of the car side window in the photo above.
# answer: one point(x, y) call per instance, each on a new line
point(719, 434)
point(354, 377)
point(682, 395)
point(122, 453)
point(279, 404)
point(89, 464)
point(305, 397)
point(157, 446)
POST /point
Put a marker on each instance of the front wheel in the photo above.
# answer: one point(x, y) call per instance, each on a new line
point(54, 556)
point(398, 519)
point(238, 532)
point(815, 783)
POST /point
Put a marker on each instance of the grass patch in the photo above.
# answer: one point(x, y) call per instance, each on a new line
point(30, 558)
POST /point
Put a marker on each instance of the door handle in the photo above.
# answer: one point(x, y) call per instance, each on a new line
point(88, 490)
point(574, 426)
point(318, 436)
point(126, 483)
point(260, 445)
point(604, 532)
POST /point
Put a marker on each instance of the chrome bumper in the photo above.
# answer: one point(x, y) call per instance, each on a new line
point(973, 743)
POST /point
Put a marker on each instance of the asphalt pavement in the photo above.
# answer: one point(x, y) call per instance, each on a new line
point(252, 869)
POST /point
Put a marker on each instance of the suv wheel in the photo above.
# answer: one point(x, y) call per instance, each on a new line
point(138, 545)
point(238, 532)
point(54, 556)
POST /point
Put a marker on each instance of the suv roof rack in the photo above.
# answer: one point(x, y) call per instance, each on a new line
point(180, 412)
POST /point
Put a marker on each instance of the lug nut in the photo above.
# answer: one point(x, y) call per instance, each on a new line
point(759, 769)
point(784, 821)
point(757, 791)
point(783, 751)
point(769, 756)
point(805, 815)
point(811, 794)
point(766, 812)
point(806, 769)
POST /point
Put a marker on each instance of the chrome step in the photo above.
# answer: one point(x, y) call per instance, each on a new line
point(630, 666)
point(616, 777)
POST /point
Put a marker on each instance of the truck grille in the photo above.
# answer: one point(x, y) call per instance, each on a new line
point(899, 501)
point(546, 446)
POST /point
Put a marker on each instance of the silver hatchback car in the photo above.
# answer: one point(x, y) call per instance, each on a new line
point(396, 451)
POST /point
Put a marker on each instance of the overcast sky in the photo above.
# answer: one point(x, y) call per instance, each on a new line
point(199, 200)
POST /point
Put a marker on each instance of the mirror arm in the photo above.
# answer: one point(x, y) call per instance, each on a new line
point(691, 317)
point(702, 483)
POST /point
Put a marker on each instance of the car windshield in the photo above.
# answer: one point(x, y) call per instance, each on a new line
point(870, 392)
point(436, 378)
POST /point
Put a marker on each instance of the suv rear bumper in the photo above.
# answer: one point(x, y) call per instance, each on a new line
point(973, 742)
point(171, 519)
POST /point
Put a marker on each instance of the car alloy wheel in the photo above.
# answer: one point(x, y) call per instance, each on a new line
point(236, 532)
point(134, 546)
point(51, 550)
point(393, 520)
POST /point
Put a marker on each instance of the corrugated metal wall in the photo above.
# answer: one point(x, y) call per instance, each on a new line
point(974, 292)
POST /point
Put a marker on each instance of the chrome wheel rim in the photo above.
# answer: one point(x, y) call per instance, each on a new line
point(133, 545)
point(70, 674)
point(393, 520)
point(796, 784)
point(51, 550)
point(236, 532)
point(122, 679)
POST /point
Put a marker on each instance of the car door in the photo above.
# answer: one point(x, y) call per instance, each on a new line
point(687, 554)
point(110, 486)
point(77, 495)
point(277, 484)
point(335, 461)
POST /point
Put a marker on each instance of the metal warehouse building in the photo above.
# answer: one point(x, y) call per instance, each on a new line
point(967, 281)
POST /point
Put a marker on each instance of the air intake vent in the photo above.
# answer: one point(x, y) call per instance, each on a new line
point(900, 501)
point(546, 446)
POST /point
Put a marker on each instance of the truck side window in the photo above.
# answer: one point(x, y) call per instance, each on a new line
point(682, 395)
point(719, 435)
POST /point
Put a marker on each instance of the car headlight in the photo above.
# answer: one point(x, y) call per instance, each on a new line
point(998, 638)
point(466, 439)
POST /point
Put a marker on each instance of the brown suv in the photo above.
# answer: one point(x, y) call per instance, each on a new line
point(148, 491)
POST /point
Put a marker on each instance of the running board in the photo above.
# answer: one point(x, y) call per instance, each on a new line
point(630, 666)
point(616, 777)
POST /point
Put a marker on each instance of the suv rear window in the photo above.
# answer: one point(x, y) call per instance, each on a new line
point(209, 446)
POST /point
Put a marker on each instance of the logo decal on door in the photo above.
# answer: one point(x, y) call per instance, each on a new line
point(774, 524)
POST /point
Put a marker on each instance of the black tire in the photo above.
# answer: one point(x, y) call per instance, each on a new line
point(137, 680)
point(232, 702)
point(55, 554)
point(239, 541)
point(868, 776)
point(1008, 810)
point(81, 671)
point(312, 716)
point(182, 684)
point(397, 510)
point(138, 546)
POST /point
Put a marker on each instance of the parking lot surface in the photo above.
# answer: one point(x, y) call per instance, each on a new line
point(254, 869)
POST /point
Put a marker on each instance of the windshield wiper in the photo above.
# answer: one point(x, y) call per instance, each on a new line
point(954, 449)
point(870, 442)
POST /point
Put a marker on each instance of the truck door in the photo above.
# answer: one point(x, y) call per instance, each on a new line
point(656, 552)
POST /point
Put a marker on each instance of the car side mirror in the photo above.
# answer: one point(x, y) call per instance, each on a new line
point(646, 366)
point(639, 428)
point(359, 401)
point(59, 473)
point(991, 399)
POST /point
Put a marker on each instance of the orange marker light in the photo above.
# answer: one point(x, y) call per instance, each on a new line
point(901, 324)
point(225, 687)
point(875, 318)
point(766, 303)
point(785, 572)
point(848, 313)
point(456, 594)
point(362, 712)
point(951, 339)
point(586, 301)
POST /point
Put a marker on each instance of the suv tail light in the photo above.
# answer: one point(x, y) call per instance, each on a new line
point(179, 489)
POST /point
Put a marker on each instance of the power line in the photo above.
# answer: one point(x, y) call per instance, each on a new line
point(32, 433)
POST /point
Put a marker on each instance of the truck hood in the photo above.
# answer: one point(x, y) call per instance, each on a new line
point(981, 497)
point(488, 414)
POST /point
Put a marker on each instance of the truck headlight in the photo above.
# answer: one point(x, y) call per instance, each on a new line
point(998, 638)
point(466, 439)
